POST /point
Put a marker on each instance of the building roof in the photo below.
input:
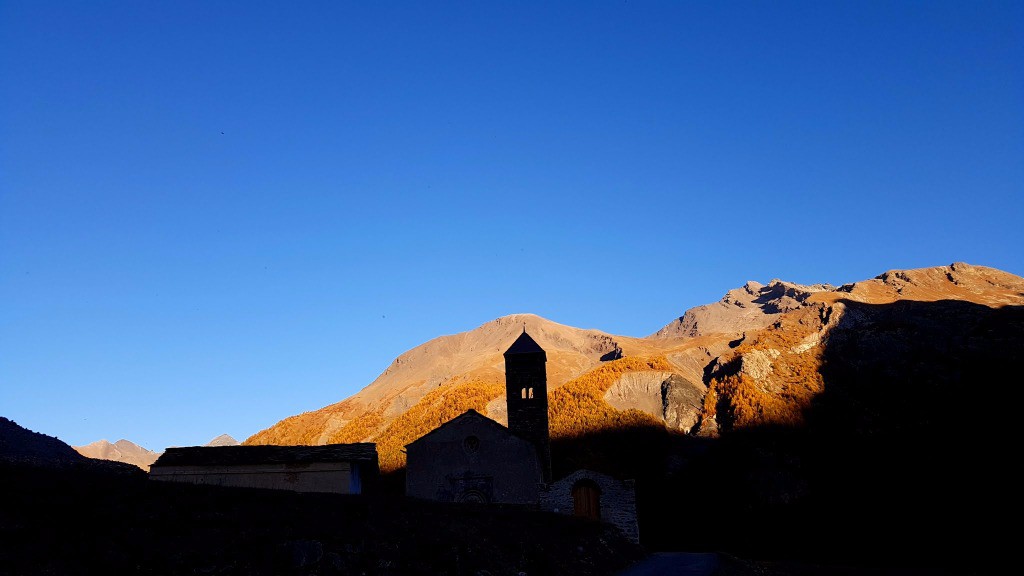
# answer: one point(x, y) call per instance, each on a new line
point(468, 415)
point(218, 455)
point(524, 345)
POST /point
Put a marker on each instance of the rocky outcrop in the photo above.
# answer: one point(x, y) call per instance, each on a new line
point(664, 395)
point(751, 307)
point(901, 319)
point(958, 281)
point(639, 390)
point(682, 401)
point(497, 410)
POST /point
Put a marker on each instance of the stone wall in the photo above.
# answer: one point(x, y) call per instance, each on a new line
point(618, 500)
point(330, 477)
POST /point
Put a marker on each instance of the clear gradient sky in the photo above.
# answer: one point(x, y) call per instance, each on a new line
point(214, 215)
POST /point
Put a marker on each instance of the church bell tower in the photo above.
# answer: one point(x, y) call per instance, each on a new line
point(526, 394)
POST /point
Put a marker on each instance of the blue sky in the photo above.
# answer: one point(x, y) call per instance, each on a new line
point(214, 215)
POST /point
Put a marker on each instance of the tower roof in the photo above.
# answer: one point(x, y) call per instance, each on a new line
point(524, 345)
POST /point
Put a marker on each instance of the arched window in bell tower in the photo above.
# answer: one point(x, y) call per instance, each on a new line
point(530, 394)
point(524, 393)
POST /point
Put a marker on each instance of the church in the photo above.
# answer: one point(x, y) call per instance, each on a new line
point(472, 458)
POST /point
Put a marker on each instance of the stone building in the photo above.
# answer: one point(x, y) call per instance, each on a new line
point(526, 395)
point(596, 496)
point(333, 468)
point(475, 459)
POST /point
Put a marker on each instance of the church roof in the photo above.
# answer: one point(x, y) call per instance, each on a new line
point(218, 455)
point(468, 415)
point(524, 345)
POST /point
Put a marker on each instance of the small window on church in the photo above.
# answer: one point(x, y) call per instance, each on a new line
point(524, 393)
point(471, 444)
point(531, 393)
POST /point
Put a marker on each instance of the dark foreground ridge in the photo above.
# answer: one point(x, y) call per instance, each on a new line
point(88, 522)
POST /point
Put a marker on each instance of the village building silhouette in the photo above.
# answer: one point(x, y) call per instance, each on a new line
point(472, 458)
point(333, 468)
point(469, 459)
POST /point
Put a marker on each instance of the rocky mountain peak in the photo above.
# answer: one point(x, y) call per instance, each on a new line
point(223, 440)
point(750, 307)
point(958, 281)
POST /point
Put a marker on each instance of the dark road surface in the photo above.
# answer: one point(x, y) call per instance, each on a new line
point(674, 564)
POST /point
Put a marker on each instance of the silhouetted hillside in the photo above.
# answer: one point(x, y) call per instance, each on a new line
point(20, 447)
point(19, 444)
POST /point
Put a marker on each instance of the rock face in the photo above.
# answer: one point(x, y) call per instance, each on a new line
point(120, 451)
point(904, 323)
point(752, 307)
point(640, 390)
point(665, 395)
point(682, 402)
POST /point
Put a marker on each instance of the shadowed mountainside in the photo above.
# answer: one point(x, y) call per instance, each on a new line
point(900, 457)
point(771, 375)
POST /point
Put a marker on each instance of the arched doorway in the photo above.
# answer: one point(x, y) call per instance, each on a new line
point(586, 499)
point(473, 497)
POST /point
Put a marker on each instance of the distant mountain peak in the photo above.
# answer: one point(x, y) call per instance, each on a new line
point(755, 306)
point(121, 451)
point(223, 440)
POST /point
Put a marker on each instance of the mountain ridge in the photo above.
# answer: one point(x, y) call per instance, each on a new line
point(121, 451)
point(21, 447)
point(128, 452)
point(675, 367)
